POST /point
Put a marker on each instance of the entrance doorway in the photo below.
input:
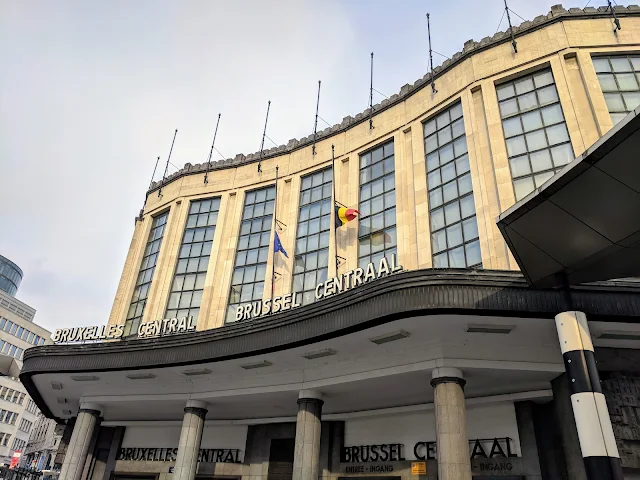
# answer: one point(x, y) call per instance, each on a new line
point(281, 459)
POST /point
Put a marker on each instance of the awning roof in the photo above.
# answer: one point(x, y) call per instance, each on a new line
point(583, 225)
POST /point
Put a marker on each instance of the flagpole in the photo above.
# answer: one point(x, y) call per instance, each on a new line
point(275, 232)
point(333, 184)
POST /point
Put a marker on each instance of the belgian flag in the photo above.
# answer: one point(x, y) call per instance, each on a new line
point(344, 215)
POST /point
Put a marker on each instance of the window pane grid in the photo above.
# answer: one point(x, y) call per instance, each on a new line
point(377, 235)
point(452, 213)
point(311, 264)
point(247, 282)
point(26, 335)
point(535, 131)
point(619, 79)
point(193, 259)
point(145, 275)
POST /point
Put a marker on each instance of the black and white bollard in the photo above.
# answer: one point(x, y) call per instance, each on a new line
point(597, 442)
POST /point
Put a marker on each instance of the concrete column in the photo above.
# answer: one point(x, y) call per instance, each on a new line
point(306, 459)
point(452, 444)
point(597, 442)
point(189, 443)
point(76, 455)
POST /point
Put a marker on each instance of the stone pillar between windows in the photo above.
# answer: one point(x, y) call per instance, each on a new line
point(190, 438)
point(76, 456)
point(452, 444)
point(306, 459)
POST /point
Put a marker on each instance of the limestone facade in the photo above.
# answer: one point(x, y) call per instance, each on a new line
point(563, 41)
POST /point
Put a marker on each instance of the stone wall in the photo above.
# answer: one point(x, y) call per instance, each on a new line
point(622, 391)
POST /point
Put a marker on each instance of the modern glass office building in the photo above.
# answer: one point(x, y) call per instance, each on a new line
point(405, 343)
point(10, 276)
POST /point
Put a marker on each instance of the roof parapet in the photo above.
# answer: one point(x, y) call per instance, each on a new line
point(469, 48)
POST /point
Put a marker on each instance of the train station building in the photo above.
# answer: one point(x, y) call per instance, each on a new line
point(474, 319)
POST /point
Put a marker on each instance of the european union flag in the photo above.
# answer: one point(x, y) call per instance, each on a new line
point(277, 246)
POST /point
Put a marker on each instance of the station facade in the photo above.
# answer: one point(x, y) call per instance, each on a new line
point(401, 344)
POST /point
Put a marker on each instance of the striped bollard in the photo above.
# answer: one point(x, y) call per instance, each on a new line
point(597, 442)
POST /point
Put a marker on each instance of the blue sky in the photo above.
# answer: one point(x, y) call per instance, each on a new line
point(91, 93)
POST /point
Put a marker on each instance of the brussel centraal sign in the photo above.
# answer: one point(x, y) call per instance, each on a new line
point(339, 284)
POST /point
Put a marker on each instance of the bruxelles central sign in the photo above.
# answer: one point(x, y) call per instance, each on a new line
point(339, 284)
point(155, 328)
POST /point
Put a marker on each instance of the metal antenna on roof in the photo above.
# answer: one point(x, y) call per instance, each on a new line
point(154, 172)
point(167, 166)
point(150, 185)
point(315, 125)
point(371, 97)
point(615, 18)
point(264, 134)
point(433, 83)
point(513, 38)
point(206, 175)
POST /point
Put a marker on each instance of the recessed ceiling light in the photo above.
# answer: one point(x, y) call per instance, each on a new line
point(84, 378)
point(390, 337)
point(67, 412)
point(616, 335)
point(56, 385)
point(61, 400)
point(140, 376)
point(319, 353)
point(251, 366)
point(503, 329)
point(196, 371)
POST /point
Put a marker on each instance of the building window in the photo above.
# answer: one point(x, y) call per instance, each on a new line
point(538, 143)
point(10, 395)
point(11, 350)
point(20, 332)
point(193, 259)
point(311, 264)
point(247, 283)
point(4, 439)
point(377, 236)
point(452, 211)
point(7, 416)
point(145, 275)
point(620, 84)
point(25, 425)
point(18, 444)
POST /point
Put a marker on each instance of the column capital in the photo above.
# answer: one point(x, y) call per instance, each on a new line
point(197, 407)
point(309, 395)
point(447, 375)
point(92, 408)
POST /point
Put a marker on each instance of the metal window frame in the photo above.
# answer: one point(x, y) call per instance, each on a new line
point(191, 310)
point(519, 115)
point(230, 304)
point(298, 237)
point(613, 74)
point(457, 199)
point(129, 321)
point(370, 151)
